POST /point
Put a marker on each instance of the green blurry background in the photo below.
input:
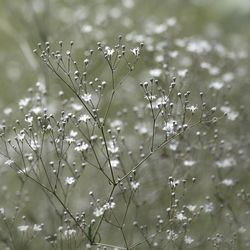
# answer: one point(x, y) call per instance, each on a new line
point(24, 23)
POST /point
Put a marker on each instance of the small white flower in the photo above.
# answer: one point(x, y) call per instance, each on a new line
point(226, 163)
point(171, 235)
point(135, 185)
point(169, 127)
point(182, 73)
point(70, 180)
point(1, 210)
point(216, 85)
point(150, 97)
point(34, 145)
point(173, 145)
point(188, 240)
point(81, 147)
point(228, 182)
point(37, 227)
point(180, 216)
point(36, 110)
point(9, 162)
point(136, 51)
point(114, 163)
point(191, 208)
point(155, 72)
point(86, 97)
point(24, 102)
point(231, 115)
point(23, 228)
point(112, 147)
point(84, 118)
point(98, 212)
point(109, 51)
point(73, 133)
point(189, 163)
point(76, 106)
point(7, 111)
point(29, 119)
point(192, 108)
point(69, 232)
point(209, 207)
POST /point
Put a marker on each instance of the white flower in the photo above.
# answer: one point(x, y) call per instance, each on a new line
point(9, 162)
point(136, 51)
point(182, 73)
point(189, 163)
point(173, 145)
point(98, 212)
point(188, 240)
point(228, 182)
point(76, 106)
point(135, 185)
point(109, 51)
point(192, 108)
point(171, 235)
point(69, 232)
point(231, 115)
point(191, 208)
point(7, 111)
point(73, 133)
point(1, 210)
point(38, 228)
point(36, 110)
point(21, 136)
point(29, 119)
point(150, 97)
point(81, 147)
point(23, 228)
point(24, 102)
point(86, 28)
point(226, 163)
point(155, 72)
point(180, 216)
point(216, 85)
point(141, 128)
point(112, 147)
point(86, 97)
point(169, 127)
point(209, 207)
point(114, 163)
point(34, 145)
point(84, 118)
point(70, 180)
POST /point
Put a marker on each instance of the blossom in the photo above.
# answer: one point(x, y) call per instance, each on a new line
point(188, 240)
point(228, 182)
point(23, 228)
point(69, 232)
point(135, 51)
point(169, 127)
point(226, 163)
point(216, 85)
point(180, 216)
point(86, 97)
point(112, 147)
point(192, 108)
point(76, 106)
point(114, 163)
point(9, 162)
point(135, 185)
point(155, 72)
point(189, 163)
point(81, 147)
point(109, 51)
point(37, 227)
point(84, 118)
point(70, 180)
point(24, 102)
point(98, 212)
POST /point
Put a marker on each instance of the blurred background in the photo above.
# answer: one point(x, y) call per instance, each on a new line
point(24, 23)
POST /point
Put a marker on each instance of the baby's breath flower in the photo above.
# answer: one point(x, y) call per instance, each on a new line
point(155, 72)
point(76, 106)
point(1, 210)
point(24, 102)
point(81, 147)
point(109, 51)
point(84, 118)
point(228, 182)
point(114, 163)
point(135, 185)
point(9, 162)
point(112, 147)
point(69, 232)
point(7, 111)
point(189, 163)
point(209, 207)
point(188, 240)
point(86, 97)
point(37, 227)
point(70, 180)
point(136, 51)
point(180, 216)
point(216, 85)
point(23, 228)
point(192, 108)
point(226, 163)
point(169, 127)
point(98, 211)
